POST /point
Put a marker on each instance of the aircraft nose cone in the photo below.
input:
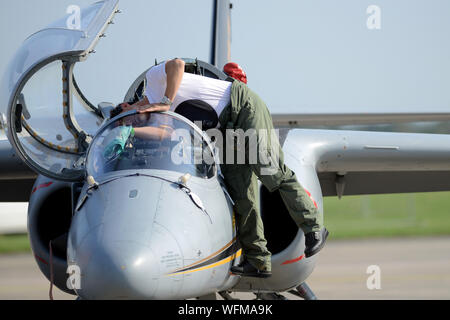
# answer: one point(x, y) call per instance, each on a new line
point(125, 243)
point(120, 270)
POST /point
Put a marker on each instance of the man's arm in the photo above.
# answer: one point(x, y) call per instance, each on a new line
point(174, 72)
point(144, 105)
point(136, 106)
point(152, 133)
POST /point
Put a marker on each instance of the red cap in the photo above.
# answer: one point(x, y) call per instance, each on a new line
point(235, 71)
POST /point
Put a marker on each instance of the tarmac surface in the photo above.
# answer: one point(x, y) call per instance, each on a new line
point(398, 268)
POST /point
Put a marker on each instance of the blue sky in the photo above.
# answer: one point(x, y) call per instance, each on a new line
point(300, 56)
point(320, 55)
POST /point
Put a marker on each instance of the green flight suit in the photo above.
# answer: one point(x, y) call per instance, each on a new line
point(248, 111)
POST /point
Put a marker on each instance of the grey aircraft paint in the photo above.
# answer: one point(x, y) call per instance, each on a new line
point(140, 233)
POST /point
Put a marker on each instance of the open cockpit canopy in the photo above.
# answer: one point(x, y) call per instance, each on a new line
point(47, 118)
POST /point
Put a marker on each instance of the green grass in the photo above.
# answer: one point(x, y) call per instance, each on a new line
point(419, 214)
point(388, 215)
point(14, 243)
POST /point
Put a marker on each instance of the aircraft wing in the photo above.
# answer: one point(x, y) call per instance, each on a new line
point(346, 162)
point(295, 120)
point(360, 162)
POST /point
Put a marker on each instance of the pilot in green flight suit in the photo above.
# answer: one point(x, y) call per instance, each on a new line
point(239, 108)
point(248, 111)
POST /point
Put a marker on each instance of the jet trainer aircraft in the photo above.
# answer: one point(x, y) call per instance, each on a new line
point(135, 225)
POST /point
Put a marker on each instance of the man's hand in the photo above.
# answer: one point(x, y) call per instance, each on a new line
point(153, 107)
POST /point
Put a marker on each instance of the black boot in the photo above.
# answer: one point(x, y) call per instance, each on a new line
point(315, 241)
point(245, 269)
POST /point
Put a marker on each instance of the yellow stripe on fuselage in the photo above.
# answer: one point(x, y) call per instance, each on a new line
point(219, 263)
